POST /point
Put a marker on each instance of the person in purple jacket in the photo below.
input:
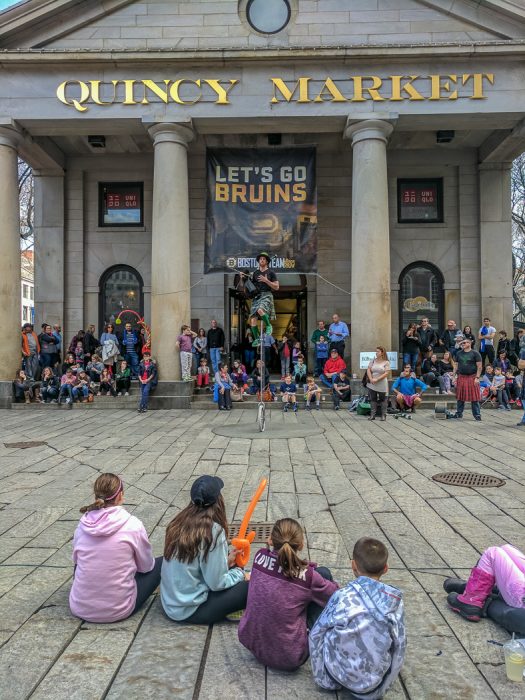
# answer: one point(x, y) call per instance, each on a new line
point(285, 597)
point(115, 570)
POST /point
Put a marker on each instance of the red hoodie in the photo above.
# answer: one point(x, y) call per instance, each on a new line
point(331, 366)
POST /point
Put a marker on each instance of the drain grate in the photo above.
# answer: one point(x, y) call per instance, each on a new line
point(25, 445)
point(469, 479)
point(262, 530)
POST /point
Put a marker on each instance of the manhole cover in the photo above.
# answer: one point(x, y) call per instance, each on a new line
point(262, 530)
point(469, 479)
point(25, 445)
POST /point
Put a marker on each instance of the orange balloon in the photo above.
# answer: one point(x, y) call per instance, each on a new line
point(243, 541)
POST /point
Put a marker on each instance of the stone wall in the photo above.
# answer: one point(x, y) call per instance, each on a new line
point(155, 24)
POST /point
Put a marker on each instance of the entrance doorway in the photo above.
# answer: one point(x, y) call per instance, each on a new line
point(420, 296)
point(121, 288)
point(290, 312)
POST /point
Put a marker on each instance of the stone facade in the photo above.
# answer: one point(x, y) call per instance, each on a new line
point(358, 80)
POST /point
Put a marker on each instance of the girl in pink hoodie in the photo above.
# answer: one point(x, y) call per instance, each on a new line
point(115, 571)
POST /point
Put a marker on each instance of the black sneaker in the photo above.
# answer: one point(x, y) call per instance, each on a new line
point(478, 418)
point(454, 585)
point(469, 612)
point(521, 424)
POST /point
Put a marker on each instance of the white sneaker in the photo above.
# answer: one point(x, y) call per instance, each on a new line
point(68, 400)
point(119, 394)
point(127, 393)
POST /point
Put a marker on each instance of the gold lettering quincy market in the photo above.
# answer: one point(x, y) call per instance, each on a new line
point(394, 88)
point(81, 94)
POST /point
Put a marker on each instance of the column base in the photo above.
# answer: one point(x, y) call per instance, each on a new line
point(6, 394)
point(171, 394)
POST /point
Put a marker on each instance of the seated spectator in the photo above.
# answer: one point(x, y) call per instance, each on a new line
point(70, 363)
point(341, 389)
point(286, 596)
point(79, 353)
point(430, 373)
point(78, 338)
point(321, 354)
point(25, 388)
point(513, 391)
point(67, 383)
point(107, 383)
point(296, 351)
point(94, 368)
point(486, 379)
point(299, 371)
point(446, 367)
point(123, 378)
point(312, 391)
point(332, 366)
point(359, 640)
point(49, 386)
point(498, 390)
point(260, 371)
point(502, 362)
point(407, 390)
point(238, 375)
point(115, 571)
point(288, 393)
point(82, 387)
point(457, 347)
point(203, 374)
point(223, 387)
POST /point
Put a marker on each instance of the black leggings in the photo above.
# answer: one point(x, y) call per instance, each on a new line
point(147, 583)
point(314, 610)
point(219, 604)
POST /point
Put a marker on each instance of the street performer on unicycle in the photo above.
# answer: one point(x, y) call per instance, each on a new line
point(263, 310)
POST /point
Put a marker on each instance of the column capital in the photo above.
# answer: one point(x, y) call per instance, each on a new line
point(171, 132)
point(377, 126)
point(10, 136)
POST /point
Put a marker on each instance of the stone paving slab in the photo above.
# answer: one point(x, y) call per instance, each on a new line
point(352, 478)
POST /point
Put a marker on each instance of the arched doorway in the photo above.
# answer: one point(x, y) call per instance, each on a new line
point(121, 287)
point(421, 296)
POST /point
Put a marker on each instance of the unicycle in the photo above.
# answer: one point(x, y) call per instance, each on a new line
point(261, 408)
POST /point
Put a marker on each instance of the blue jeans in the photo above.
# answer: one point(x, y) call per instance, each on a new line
point(523, 417)
point(476, 410)
point(411, 358)
point(84, 390)
point(66, 389)
point(215, 358)
point(132, 359)
point(249, 358)
point(326, 381)
point(144, 394)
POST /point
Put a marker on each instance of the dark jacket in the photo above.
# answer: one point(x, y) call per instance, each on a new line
point(411, 343)
point(256, 375)
point(215, 338)
point(152, 370)
point(429, 366)
point(90, 343)
point(428, 337)
point(448, 338)
point(503, 344)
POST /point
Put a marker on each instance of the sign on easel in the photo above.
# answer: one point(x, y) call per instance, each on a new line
point(366, 357)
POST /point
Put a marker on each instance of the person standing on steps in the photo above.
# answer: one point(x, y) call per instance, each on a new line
point(377, 385)
point(468, 371)
point(265, 281)
point(215, 345)
point(338, 333)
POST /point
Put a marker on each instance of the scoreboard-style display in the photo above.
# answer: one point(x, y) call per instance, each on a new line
point(121, 204)
point(420, 201)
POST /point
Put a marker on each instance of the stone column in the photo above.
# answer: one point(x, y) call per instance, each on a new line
point(495, 245)
point(170, 245)
point(370, 284)
point(49, 246)
point(10, 292)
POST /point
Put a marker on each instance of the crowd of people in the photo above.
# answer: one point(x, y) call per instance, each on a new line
point(289, 608)
point(84, 369)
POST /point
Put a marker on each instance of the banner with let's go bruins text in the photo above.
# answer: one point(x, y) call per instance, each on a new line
point(261, 199)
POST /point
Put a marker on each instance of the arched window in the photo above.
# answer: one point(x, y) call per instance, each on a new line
point(120, 288)
point(421, 295)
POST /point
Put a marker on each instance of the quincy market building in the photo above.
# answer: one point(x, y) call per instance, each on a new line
point(413, 109)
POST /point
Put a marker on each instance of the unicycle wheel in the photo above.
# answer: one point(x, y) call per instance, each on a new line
point(261, 417)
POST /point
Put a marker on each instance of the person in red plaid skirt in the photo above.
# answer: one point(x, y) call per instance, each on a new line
point(468, 371)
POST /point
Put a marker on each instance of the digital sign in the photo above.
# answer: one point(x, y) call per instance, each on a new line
point(420, 201)
point(121, 204)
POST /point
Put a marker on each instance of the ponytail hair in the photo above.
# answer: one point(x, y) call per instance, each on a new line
point(107, 488)
point(287, 538)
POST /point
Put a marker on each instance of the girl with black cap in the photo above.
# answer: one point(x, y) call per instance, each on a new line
point(200, 583)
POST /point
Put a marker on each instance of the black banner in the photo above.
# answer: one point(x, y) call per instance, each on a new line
point(261, 199)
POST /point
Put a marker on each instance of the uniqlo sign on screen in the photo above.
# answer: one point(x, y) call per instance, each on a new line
point(420, 201)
